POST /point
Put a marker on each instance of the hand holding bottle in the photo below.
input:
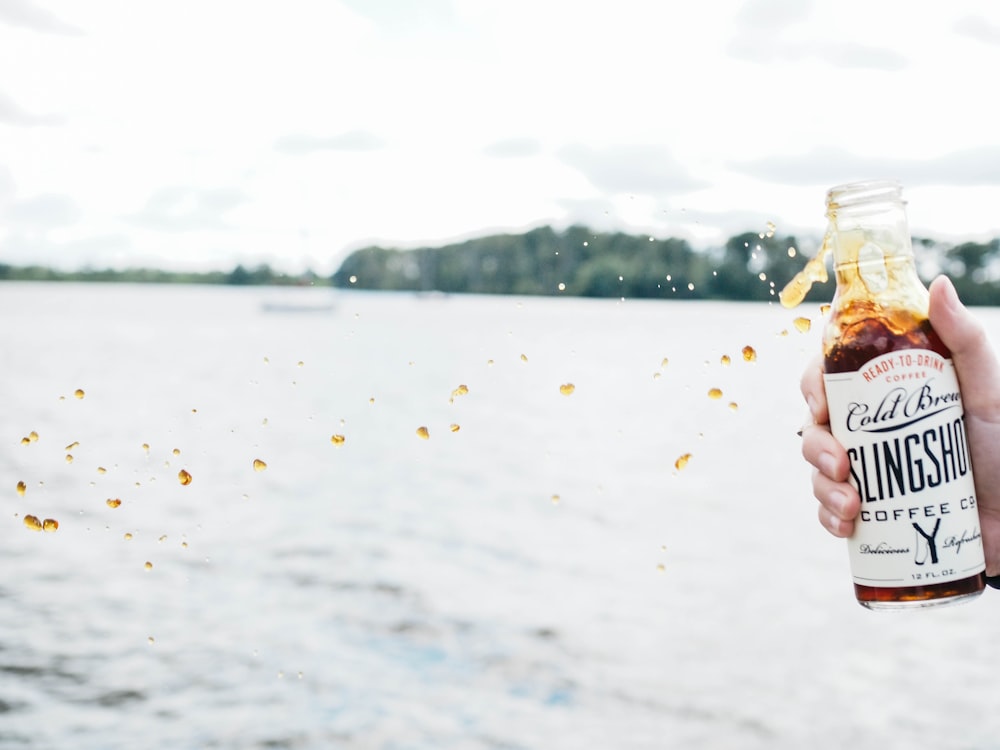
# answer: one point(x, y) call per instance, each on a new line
point(978, 372)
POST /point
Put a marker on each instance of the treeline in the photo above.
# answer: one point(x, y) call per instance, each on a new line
point(580, 262)
point(577, 262)
point(261, 275)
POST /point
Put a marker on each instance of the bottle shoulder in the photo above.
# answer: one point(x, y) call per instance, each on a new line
point(859, 332)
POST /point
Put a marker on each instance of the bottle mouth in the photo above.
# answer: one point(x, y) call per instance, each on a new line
point(854, 194)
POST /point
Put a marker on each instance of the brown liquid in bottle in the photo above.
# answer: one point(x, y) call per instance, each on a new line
point(874, 333)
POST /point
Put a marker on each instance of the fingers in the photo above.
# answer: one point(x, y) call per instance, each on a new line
point(974, 358)
point(839, 504)
point(824, 452)
point(814, 392)
point(838, 500)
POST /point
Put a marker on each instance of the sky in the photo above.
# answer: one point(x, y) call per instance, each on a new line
point(199, 134)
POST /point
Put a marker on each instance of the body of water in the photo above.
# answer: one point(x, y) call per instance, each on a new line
point(536, 572)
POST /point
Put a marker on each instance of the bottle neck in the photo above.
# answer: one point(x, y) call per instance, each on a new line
point(870, 239)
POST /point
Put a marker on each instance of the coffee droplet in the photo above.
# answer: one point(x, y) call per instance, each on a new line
point(184, 477)
point(33, 437)
point(802, 324)
point(259, 465)
point(749, 354)
point(21, 488)
point(337, 439)
point(79, 393)
point(32, 523)
point(824, 309)
point(128, 536)
point(724, 360)
point(148, 565)
point(555, 499)
point(113, 502)
point(567, 389)
point(423, 433)
point(72, 445)
point(462, 390)
point(524, 357)
point(715, 393)
point(664, 362)
point(682, 461)
point(101, 470)
point(815, 271)
point(733, 406)
point(69, 458)
point(145, 448)
point(176, 451)
point(50, 525)
point(454, 427)
point(25, 440)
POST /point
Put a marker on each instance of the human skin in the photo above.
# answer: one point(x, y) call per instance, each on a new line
point(978, 371)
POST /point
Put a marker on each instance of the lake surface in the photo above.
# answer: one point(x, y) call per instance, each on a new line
point(536, 573)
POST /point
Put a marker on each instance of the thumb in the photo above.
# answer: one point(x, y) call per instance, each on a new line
point(975, 361)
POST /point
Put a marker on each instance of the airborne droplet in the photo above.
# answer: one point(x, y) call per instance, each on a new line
point(724, 360)
point(21, 488)
point(715, 393)
point(148, 565)
point(524, 357)
point(113, 502)
point(184, 477)
point(682, 461)
point(462, 390)
point(733, 406)
point(32, 523)
point(337, 439)
point(454, 427)
point(802, 324)
point(79, 393)
point(749, 354)
point(423, 433)
point(259, 465)
point(72, 445)
point(567, 389)
point(50, 525)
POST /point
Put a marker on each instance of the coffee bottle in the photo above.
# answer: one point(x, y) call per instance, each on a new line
point(895, 405)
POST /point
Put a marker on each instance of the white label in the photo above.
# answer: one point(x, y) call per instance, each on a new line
point(901, 420)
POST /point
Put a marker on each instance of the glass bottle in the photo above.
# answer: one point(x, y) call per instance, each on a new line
point(895, 406)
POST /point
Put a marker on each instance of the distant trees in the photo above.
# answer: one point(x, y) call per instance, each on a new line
point(580, 262)
point(577, 262)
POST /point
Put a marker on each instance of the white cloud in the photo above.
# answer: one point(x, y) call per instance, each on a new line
point(357, 140)
point(187, 209)
point(204, 133)
point(28, 15)
point(13, 114)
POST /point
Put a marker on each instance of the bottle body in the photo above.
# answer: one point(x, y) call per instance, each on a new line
point(896, 407)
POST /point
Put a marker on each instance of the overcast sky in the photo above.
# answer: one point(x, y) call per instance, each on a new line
point(203, 133)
